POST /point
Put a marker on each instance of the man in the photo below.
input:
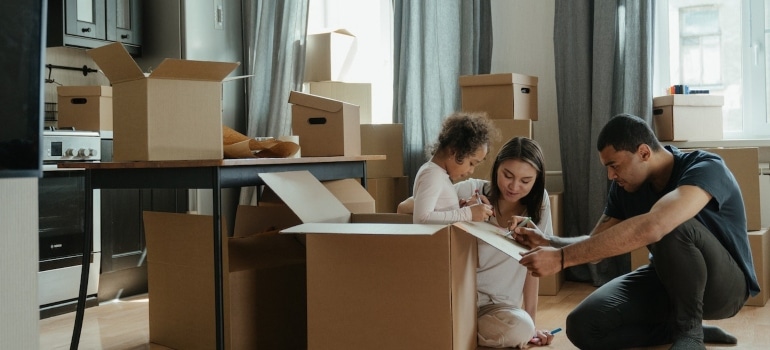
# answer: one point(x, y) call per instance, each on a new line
point(688, 210)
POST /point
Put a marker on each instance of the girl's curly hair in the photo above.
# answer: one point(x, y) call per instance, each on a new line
point(464, 133)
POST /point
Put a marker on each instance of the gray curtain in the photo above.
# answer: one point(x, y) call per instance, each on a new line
point(274, 42)
point(435, 41)
point(603, 54)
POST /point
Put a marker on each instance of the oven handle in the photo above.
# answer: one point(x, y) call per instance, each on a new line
point(54, 167)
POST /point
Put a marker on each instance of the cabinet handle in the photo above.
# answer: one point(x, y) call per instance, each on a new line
point(86, 30)
point(124, 36)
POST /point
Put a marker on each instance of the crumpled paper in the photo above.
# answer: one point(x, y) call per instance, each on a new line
point(237, 145)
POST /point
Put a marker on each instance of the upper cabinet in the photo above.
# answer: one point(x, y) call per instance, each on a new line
point(94, 23)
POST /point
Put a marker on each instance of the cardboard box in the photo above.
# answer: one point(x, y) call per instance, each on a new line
point(359, 94)
point(640, 257)
point(384, 286)
point(508, 129)
point(329, 55)
point(388, 192)
point(174, 113)
point(325, 127)
point(387, 139)
point(264, 282)
point(550, 285)
point(87, 108)
point(688, 117)
point(764, 198)
point(506, 95)
point(759, 242)
point(743, 162)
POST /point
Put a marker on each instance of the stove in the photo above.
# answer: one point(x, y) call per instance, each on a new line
point(70, 145)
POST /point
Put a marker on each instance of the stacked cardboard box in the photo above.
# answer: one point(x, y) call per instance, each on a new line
point(550, 285)
point(385, 181)
point(688, 117)
point(87, 108)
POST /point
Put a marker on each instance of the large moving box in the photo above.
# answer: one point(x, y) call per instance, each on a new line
point(550, 285)
point(688, 117)
point(264, 281)
point(328, 55)
point(506, 95)
point(359, 94)
point(174, 113)
point(387, 139)
point(325, 127)
point(87, 108)
point(508, 128)
point(384, 286)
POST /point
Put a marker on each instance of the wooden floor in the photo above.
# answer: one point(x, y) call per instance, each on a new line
point(123, 324)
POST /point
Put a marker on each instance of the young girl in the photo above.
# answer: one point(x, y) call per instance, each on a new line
point(506, 294)
point(462, 144)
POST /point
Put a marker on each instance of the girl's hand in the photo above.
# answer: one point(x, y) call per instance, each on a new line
point(481, 212)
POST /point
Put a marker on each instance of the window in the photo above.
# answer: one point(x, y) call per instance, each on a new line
point(718, 45)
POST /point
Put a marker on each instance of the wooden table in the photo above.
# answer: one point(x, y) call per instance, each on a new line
point(198, 174)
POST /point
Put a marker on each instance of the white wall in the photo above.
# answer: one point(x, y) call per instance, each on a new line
point(523, 43)
point(19, 311)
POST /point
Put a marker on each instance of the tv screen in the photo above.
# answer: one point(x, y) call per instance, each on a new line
point(21, 87)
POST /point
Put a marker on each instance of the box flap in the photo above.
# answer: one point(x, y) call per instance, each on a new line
point(494, 236)
point(116, 63)
point(688, 100)
point(251, 220)
point(366, 229)
point(172, 68)
point(306, 196)
point(352, 195)
point(331, 30)
point(317, 102)
point(497, 79)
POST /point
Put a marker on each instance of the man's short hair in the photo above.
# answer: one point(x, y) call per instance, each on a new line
point(626, 132)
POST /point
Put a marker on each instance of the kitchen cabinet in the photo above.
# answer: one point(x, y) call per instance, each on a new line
point(94, 23)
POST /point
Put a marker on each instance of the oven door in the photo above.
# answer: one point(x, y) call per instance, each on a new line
point(61, 207)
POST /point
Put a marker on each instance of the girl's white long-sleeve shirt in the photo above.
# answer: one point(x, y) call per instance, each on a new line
point(435, 198)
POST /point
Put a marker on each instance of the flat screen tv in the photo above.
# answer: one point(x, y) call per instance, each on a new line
point(21, 87)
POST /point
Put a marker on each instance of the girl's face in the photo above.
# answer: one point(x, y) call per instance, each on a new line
point(465, 169)
point(515, 178)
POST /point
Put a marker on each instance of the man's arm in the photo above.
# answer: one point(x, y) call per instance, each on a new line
point(620, 237)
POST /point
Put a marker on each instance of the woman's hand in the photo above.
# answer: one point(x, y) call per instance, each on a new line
point(542, 338)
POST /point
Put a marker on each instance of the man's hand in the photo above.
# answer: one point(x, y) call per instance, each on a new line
point(542, 261)
point(529, 236)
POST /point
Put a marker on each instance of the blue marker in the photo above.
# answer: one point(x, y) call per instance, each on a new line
point(557, 330)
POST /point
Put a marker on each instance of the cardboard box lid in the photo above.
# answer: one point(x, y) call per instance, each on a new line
point(497, 79)
point(116, 63)
point(317, 102)
point(172, 68)
point(337, 31)
point(88, 90)
point(306, 196)
point(688, 100)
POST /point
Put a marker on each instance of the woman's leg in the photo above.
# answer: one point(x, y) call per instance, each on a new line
point(504, 326)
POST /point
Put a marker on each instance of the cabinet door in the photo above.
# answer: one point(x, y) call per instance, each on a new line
point(124, 21)
point(86, 18)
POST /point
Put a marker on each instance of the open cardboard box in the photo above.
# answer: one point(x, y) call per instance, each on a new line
point(374, 285)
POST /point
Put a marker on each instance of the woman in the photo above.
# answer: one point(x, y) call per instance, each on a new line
point(507, 294)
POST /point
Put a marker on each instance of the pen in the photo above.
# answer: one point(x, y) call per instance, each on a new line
point(557, 330)
point(478, 197)
point(521, 224)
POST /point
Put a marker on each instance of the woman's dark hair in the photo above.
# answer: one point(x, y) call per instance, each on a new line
point(464, 133)
point(526, 150)
point(626, 132)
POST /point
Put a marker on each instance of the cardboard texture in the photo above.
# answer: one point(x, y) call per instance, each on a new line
point(640, 257)
point(505, 95)
point(325, 127)
point(87, 108)
point(388, 192)
point(508, 128)
point(759, 242)
point(329, 55)
point(687, 117)
point(550, 285)
point(174, 113)
point(264, 283)
point(764, 199)
point(395, 283)
point(359, 94)
point(387, 139)
point(743, 162)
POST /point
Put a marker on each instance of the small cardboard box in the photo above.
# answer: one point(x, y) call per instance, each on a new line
point(388, 192)
point(759, 242)
point(328, 55)
point(264, 282)
point(550, 285)
point(87, 108)
point(505, 95)
point(688, 117)
point(325, 127)
point(354, 93)
point(387, 139)
point(174, 113)
point(384, 286)
point(743, 162)
point(508, 128)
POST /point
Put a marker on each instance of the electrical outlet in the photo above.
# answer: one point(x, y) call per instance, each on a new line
point(219, 14)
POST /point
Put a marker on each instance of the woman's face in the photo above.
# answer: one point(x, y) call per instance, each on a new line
point(515, 178)
point(465, 169)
